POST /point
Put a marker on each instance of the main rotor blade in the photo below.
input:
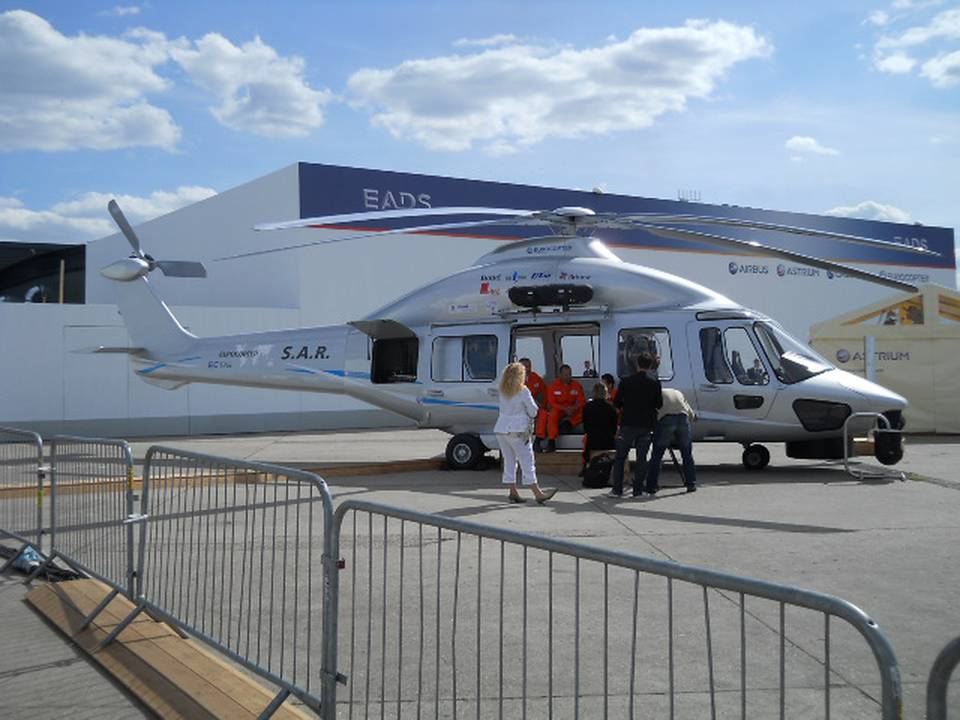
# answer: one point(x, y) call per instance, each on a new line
point(182, 268)
point(659, 218)
point(120, 219)
point(754, 248)
point(390, 215)
point(376, 233)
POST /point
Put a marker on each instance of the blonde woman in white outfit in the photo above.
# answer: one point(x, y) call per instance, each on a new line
point(517, 410)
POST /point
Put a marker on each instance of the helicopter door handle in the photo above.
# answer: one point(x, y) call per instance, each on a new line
point(434, 393)
point(708, 387)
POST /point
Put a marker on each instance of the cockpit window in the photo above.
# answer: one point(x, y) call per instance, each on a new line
point(791, 360)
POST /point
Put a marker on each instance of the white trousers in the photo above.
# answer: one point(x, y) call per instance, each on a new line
point(517, 448)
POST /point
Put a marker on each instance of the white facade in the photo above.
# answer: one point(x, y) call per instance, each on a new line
point(48, 385)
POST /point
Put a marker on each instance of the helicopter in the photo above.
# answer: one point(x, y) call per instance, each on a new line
point(434, 354)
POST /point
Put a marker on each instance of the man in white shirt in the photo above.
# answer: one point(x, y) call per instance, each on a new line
point(673, 427)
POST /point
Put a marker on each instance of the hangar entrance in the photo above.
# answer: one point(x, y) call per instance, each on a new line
point(42, 273)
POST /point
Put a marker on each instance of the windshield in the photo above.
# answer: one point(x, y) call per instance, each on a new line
point(791, 360)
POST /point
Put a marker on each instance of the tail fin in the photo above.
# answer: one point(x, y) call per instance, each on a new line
point(149, 321)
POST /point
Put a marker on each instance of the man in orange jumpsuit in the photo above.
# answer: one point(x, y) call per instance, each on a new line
point(537, 388)
point(565, 401)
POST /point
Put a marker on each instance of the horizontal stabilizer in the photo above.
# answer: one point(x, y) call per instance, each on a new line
point(182, 268)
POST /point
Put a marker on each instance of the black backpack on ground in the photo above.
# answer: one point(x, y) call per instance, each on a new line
point(597, 473)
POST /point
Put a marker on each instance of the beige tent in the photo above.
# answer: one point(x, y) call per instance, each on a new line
point(917, 352)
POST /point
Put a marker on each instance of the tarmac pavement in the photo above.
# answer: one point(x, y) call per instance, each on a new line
point(888, 546)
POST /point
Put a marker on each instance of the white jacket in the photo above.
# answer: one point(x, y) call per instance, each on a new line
point(516, 412)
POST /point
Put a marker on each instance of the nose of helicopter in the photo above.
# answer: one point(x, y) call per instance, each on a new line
point(875, 398)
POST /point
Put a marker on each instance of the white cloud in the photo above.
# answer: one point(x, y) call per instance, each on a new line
point(258, 90)
point(808, 145)
point(521, 94)
point(122, 10)
point(878, 17)
point(914, 4)
point(897, 64)
point(64, 93)
point(85, 217)
point(871, 210)
point(944, 28)
point(944, 70)
point(492, 41)
point(945, 25)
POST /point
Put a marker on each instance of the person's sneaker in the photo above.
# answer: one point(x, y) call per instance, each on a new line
point(652, 491)
point(551, 446)
point(691, 488)
point(537, 447)
point(613, 494)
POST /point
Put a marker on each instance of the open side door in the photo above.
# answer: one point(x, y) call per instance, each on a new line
point(396, 351)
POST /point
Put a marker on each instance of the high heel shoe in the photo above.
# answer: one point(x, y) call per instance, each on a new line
point(547, 495)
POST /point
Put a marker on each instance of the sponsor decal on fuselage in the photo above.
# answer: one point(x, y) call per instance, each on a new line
point(304, 352)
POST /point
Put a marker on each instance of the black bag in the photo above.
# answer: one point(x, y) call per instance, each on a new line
point(597, 473)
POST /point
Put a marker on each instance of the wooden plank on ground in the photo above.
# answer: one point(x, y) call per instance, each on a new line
point(175, 677)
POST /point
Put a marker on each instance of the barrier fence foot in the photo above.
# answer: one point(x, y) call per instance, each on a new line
point(98, 609)
point(121, 627)
point(274, 705)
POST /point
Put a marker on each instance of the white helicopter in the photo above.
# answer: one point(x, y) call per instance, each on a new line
point(433, 355)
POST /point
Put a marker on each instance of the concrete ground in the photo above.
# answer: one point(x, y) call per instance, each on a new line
point(44, 676)
point(885, 545)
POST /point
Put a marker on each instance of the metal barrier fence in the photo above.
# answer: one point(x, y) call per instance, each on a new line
point(91, 508)
point(445, 617)
point(939, 680)
point(233, 553)
point(21, 486)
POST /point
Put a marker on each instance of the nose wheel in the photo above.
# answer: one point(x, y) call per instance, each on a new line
point(464, 451)
point(755, 457)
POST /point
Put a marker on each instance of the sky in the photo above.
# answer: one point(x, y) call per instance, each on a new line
point(846, 108)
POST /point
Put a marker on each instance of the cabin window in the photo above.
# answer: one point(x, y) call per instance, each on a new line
point(791, 361)
point(580, 353)
point(532, 349)
point(395, 360)
point(634, 341)
point(472, 358)
point(743, 358)
point(715, 366)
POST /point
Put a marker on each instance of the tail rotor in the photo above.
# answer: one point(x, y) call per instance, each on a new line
point(139, 264)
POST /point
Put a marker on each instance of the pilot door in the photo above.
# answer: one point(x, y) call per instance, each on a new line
point(460, 374)
point(730, 374)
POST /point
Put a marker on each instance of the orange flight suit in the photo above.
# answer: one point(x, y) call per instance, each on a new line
point(561, 396)
point(538, 389)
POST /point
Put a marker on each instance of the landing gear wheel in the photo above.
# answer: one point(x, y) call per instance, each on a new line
point(755, 457)
point(464, 451)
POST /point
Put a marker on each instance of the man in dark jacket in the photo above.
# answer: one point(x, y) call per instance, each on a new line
point(638, 399)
